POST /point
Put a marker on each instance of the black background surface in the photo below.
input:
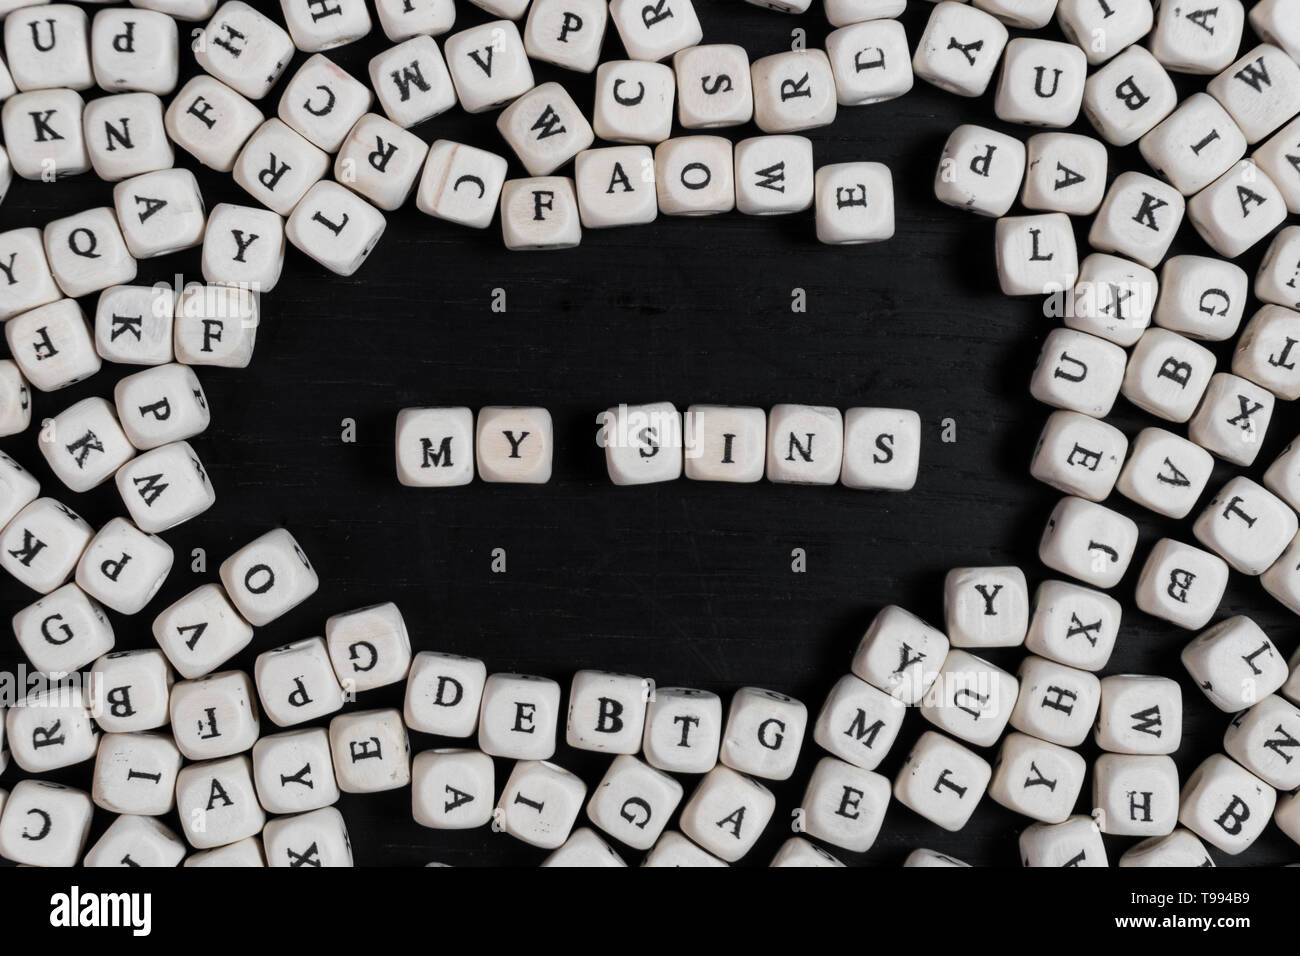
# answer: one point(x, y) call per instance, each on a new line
point(687, 583)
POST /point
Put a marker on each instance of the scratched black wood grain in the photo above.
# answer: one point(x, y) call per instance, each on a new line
point(687, 583)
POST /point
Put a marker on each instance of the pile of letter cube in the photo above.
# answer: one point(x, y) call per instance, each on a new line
point(170, 732)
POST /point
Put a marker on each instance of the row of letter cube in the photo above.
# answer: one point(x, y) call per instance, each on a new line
point(875, 448)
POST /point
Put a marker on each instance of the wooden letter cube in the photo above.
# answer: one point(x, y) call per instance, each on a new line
point(321, 102)
point(858, 722)
point(443, 694)
point(371, 751)
point(1128, 96)
point(764, 733)
point(727, 813)
point(900, 654)
point(130, 690)
point(268, 577)
point(1140, 715)
point(63, 631)
point(805, 444)
point(607, 711)
point(214, 716)
point(1181, 584)
point(519, 716)
point(540, 803)
point(217, 803)
point(1226, 805)
point(297, 682)
point(683, 730)
point(942, 781)
point(1079, 455)
point(452, 789)
point(634, 101)
point(1038, 779)
point(294, 771)
point(959, 49)
point(514, 444)
point(980, 170)
point(633, 802)
point(1056, 703)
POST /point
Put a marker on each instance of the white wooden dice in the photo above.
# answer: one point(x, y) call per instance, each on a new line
point(211, 121)
point(1181, 584)
point(643, 443)
point(1237, 210)
point(1196, 144)
point(1261, 90)
point(318, 25)
point(1037, 779)
point(84, 444)
point(764, 733)
point(844, 805)
point(217, 802)
point(657, 31)
point(1138, 218)
point(1065, 172)
point(727, 812)
point(1056, 703)
point(1104, 31)
point(519, 716)
point(805, 444)
point(959, 49)
point(133, 49)
point(451, 789)
point(131, 690)
point(1076, 371)
point(461, 184)
point(540, 803)
point(160, 212)
point(854, 203)
point(371, 751)
point(201, 631)
point(633, 802)
point(1197, 39)
point(1128, 96)
point(1201, 297)
point(335, 227)
point(136, 773)
point(277, 166)
point(297, 683)
point(1226, 805)
point(214, 716)
point(683, 730)
point(268, 577)
point(1073, 625)
point(607, 711)
point(870, 62)
point(1041, 83)
point(244, 49)
point(1036, 255)
point(942, 781)
point(634, 101)
point(45, 823)
point(1235, 664)
point(1076, 842)
point(294, 771)
point(900, 654)
point(42, 544)
point(63, 631)
point(321, 102)
point(1232, 419)
point(1264, 739)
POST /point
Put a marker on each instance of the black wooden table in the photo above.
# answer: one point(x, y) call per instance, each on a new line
point(687, 583)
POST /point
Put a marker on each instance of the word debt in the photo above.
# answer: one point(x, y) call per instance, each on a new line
point(868, 448)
